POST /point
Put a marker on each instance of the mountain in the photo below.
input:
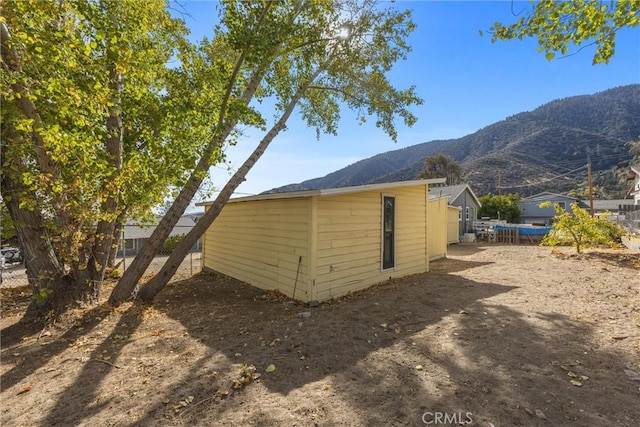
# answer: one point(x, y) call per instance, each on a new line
point(528, 152)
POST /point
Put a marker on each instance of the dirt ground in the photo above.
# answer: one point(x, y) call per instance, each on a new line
point(492, 336)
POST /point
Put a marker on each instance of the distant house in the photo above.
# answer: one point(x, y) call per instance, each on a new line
point(614, 207)
point(321, 244)
point(135, 234)
point(460, 196)
point(532, 213)
point(634, 191)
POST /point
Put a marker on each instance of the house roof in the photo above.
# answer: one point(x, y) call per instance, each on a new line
point(134, 230)
point(548, 195)
point(452, 192)
point(332, 191)
point(611, 205)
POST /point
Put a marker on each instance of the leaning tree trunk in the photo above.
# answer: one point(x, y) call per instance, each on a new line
point(126, 287)
point(160, 280)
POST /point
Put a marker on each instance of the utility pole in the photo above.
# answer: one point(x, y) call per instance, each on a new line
point(590, 188)
point(499, 182)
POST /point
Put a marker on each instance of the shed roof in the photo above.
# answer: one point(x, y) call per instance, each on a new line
point(452, 192)
point(332, 191)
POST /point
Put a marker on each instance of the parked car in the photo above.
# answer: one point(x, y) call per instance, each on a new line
point(10, 255)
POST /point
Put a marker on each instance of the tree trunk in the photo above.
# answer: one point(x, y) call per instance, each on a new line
point(64, 293)
point(105, 229)
point(126, 286)
point(54, 291)
point(40, 259)
point(27, 107)
point(125, 289)
point(160, 280)
point(115, 243)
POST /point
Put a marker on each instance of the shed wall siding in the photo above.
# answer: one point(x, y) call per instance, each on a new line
point(260, 242)
point(453, 228)
point(349, 239)
point(437, 228)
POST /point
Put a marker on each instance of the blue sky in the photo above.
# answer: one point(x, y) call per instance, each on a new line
point(467, 83)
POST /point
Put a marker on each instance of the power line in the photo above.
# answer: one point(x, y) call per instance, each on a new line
point(544, 181)
point(566, 164)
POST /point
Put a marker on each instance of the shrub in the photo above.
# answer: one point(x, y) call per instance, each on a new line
point(580, 230)
point(170, 244)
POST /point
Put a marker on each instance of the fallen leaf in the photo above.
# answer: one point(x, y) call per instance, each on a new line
point(270, 368)
point(576, 383)
point(24, 390)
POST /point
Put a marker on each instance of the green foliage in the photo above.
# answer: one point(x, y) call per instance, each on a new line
point(501, 207)
point(7, 229)
point(75, 75)
point(170, 244)
point(578, 229)
point(561, 24)
point(42, 295)
point(442, 166)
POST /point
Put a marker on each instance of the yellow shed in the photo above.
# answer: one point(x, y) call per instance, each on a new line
point(437, 227)
point(321, 244)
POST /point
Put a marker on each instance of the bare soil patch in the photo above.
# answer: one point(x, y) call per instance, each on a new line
point(496, 335)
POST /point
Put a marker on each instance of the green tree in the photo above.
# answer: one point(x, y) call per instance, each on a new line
point(95, 127)
point(579, 229)
point(560, 24)
point(7, 229)
point(316, 57)
point(442, 166)
point(505, 207)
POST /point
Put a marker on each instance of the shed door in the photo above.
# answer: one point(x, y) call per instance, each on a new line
point(388, 232)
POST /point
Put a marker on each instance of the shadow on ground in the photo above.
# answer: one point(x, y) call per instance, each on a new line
point(396, 354)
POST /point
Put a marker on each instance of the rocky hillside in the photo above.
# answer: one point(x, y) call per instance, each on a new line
point(534, 151)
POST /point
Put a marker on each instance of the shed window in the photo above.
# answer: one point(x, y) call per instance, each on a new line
point(388, 232)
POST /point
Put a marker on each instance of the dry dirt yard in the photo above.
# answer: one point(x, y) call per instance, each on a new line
point(494, 335)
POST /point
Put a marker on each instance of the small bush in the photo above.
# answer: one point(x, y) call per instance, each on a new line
point(170, 244)
point(580, 230)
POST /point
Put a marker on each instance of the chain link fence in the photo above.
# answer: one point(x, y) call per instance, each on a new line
point(13, 273)
point(629, 219)
point(134, 237)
